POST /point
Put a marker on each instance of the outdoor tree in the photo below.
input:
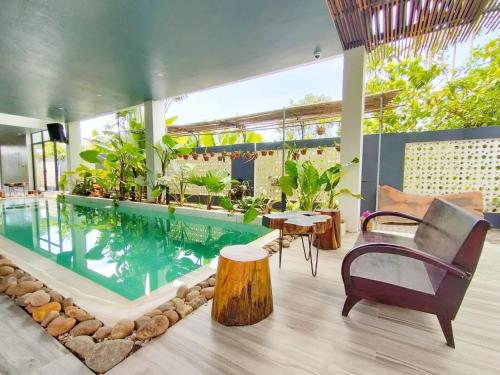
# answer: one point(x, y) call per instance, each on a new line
point(434, 95)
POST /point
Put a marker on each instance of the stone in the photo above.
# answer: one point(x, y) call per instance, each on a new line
point(177, 302)
point(24, 300)
point(24, 287)
point(102, 333)
point(139, 322)
point(155, 327)
point(29, 308)
point(66, 302)
point(208, 293)
point(60, 325)
point(122, 329)
point(55, 297)
point(78, 314)
point(7, 282)
point(211, 281)
point(107, 354)
point(85, 328)
point(172, 316)
point(203, 284)
point(184, 310)
point(192, 295)
point(48, 318)
point(154, 313)
point(81, 345)
point(197, 302)
point(196, 288)
point(182, 291)
point(4, 262)
point(166, 306)
point(6, 270)
point(26, 278)
point(17, 273)
point(39, 313)
point(286, 243)
point(39, 298)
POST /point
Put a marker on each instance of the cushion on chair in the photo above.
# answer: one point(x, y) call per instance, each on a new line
point(394, 269)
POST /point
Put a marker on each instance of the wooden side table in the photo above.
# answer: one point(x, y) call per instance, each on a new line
point(331, 239)
point(243, 294)
point(302, 223)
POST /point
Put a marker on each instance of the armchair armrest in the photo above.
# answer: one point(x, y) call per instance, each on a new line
point(385, 248)
point(388, 213)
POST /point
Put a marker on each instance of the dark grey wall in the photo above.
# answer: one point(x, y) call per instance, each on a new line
point(391, 158)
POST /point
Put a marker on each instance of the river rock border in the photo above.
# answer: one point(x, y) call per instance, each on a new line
point(98, 346)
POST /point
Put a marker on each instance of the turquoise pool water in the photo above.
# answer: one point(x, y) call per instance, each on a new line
point(129, 251)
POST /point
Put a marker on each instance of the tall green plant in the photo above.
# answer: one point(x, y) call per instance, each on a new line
point(214, 182)
point(179, 179)
point(309, 183)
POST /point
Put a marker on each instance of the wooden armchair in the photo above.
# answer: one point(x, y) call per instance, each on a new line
point(429, 273)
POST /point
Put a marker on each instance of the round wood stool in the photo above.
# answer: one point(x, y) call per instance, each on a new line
point(243, 294)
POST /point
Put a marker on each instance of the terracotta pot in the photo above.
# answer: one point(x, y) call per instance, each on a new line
point(220, 158)
point(320, 130)
point(303, 151)
point(206, 157)
point(195, 156)
point(271, 152)
point(264, 153)
point(320, 152)
point(185, 157)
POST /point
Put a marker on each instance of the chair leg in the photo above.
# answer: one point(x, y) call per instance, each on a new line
point(349, 303)
point(445, 324)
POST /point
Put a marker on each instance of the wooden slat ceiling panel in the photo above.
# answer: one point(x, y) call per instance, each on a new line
point(411, 27)
point(294, 115)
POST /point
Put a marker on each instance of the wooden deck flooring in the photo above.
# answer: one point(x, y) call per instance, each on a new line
point(306, 333)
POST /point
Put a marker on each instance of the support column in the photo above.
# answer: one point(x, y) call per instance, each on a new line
point(154, 122)
point(74, 147)
point(353, 94)
point(29, 162)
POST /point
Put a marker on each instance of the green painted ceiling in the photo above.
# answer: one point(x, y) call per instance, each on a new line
point(96, 56)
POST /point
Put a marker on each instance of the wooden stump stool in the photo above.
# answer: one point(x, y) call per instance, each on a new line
point(243, 293)
point(330, 240)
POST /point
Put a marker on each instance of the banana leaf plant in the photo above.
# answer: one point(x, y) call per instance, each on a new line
point(214, 182)
point(309, 183)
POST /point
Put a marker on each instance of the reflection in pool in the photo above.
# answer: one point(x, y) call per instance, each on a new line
point(128, 251)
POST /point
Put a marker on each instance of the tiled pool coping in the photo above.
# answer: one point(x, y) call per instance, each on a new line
point(107, 305)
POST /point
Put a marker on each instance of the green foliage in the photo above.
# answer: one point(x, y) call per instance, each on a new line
point(179, 179)
point(310, 183)
point(213, 182)
point(436, 96)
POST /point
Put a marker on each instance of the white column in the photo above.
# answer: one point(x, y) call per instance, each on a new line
point(29, 162)
point(74, 148)
point(353, 93)
point(154, 123)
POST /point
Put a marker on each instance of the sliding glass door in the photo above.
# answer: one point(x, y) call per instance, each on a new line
point(49, 161)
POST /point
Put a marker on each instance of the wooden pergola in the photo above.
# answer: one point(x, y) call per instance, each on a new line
point(411, 27)
point(286, 117)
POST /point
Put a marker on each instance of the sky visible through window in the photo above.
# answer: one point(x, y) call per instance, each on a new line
point(268, 92)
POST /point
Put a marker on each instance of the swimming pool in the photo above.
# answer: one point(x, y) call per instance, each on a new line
point(130, 251)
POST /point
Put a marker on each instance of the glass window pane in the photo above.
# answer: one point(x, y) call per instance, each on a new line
point(50, 166)
point(38, 166)
point(46, 135)
point(36, 137)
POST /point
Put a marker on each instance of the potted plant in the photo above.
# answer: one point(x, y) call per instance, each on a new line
point(337, 146)
point(212, 154)
point(320, 130)
point(271, 152)
point(206, 156)
point(185, 156)
point(195, 155)
point(320, 150)
point(263, 152)
point(303, 151)
point(295, 155)
point(235, 155)
point(221, 158)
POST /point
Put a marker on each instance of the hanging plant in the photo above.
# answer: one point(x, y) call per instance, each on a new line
point(235, 155)
point(303, 151)
point(320, 130)
point(320, 150)
point(206, 156)
point(185, 157)
point(271, 152)
point(264, 152)
point(195, 155)
point(220, 158)
point(337, 146)
point(212, 154)
point(295, 155)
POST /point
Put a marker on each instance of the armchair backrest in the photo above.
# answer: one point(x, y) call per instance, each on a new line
point(452, 234)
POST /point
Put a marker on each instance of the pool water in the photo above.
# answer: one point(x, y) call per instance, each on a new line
point(129, 251)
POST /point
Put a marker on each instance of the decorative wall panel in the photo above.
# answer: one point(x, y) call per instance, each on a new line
point(268, 169)
point(200, 168)
point(433, 168)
